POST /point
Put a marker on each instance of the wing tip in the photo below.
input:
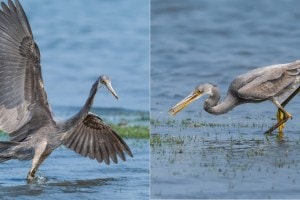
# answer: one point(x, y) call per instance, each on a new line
point(129, 153)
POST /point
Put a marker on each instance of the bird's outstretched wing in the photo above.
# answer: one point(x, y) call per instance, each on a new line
point(22, 95)
point(277, 82)
point(95, 139)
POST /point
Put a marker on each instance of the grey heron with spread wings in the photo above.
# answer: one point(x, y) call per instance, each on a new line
point(24, 110)
point(277, 83)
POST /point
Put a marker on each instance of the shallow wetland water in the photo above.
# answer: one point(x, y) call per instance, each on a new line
point(199, 155)
point(216, 160)
point(67, 175)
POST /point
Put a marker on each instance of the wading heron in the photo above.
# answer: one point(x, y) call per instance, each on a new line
point(24, 110)
point(277, 83)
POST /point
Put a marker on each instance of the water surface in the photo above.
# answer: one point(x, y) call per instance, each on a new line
point(81, 40)
point(200, 155)
point(66, 175)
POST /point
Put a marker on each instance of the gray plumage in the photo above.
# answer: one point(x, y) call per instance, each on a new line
point(277, 83)
point(25, 113)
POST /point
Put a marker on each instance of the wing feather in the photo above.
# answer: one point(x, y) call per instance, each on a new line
point(91, 147)
point(70, 140)
point(85, 146)
point(21, 85)
point(97, 146)
point(270, 82)
point(79, 143)
point(103, 150)
point(95, 139)
point(75, 140)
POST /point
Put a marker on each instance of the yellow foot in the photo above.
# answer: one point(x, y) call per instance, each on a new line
point(280, 117)
point(289, 116)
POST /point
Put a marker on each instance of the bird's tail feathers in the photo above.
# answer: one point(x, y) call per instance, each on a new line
point(4, 146)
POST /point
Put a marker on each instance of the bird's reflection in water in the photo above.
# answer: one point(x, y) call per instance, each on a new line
point(41, 184)
point(83, 183)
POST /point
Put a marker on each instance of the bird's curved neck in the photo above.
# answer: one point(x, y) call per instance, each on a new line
point(81, 115)
point(89, 102)
point(213, 106)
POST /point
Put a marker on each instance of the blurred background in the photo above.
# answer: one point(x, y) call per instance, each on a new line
point(80, 40)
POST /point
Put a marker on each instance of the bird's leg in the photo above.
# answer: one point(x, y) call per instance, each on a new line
point(279, 124)
point(280, 114)
point(282, 117)
point(39, 157)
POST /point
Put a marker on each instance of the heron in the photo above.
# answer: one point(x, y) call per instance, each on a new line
point(25, 113)
point(277, 83)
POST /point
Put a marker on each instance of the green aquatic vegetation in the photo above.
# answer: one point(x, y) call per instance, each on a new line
point(155, 140)
point(155, 122)
point(193, 124)
point(138, 132)
point(186, 122)
point(166, 122)
point(170, 122)
point(159, 140)
point(189, 123)
point(255, 152)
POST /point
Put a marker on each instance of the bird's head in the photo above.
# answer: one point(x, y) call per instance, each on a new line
point(196, 94)
point(105, 80)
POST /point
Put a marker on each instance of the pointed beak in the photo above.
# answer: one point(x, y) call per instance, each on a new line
point(185, 102)
point(111, 89)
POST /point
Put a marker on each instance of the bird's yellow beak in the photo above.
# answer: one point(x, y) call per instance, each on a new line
point(111, 89)
point(185, 102)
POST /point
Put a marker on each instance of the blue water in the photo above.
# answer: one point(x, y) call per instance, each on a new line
point(80, 40)
point(67, 175)
point(203, 41)
point(199, 41)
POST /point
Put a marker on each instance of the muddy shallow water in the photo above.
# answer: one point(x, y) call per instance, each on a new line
point(199, 155)
point(234, 161)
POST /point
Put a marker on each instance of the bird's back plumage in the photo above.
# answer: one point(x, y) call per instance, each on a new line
point(271, 81)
